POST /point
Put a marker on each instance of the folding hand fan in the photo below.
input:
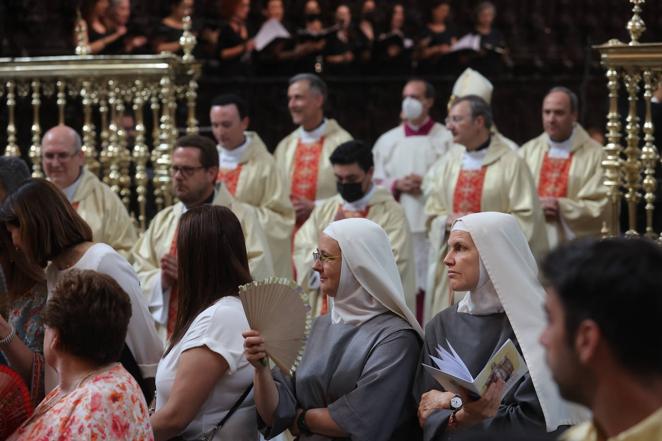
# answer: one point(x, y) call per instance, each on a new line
point(279, 309)
point(15, 404)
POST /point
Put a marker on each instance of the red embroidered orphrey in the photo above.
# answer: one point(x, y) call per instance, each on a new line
point(174, 292)
point(306, 168)
point(554, 177)
point(468, 191)
point(229, 178)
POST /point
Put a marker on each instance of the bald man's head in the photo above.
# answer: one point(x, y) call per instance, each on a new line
point(62, 156)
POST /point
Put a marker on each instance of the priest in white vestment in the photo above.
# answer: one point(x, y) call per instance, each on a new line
point(251, 175)
point(404, 154)
point(567, 168)
point(358, 197)
point(194, 172)
point(63, 161)
point(482, 175)
point(303, 155)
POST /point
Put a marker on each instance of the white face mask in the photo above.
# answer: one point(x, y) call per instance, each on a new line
point(411, 108)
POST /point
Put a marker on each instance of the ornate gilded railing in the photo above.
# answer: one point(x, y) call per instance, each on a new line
point(105, 89)
point(630, 168)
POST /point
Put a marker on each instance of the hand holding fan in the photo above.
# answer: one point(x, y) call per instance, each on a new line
point(278, 308)
point(15, 404)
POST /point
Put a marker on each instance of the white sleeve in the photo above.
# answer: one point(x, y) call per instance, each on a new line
point(159, 300)
point(141, 337)
point(219, 328)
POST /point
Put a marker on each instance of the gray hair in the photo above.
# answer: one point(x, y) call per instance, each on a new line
point(479, 107)
point(314, 82)
point(13, 171)
point(572, 96)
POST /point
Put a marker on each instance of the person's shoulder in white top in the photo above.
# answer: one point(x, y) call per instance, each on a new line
point(219, 329)
point(141, 338)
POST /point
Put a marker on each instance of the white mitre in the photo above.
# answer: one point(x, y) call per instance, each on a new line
point(470, 82)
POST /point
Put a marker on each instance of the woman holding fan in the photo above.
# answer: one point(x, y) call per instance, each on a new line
point(203, 381)
point(354, 378)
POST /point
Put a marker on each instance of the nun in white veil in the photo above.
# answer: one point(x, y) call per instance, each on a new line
point(489, 257)
point(357, 370)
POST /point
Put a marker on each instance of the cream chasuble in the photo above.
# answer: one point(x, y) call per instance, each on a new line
point(157, 240)
point(262, 190)
point(584, 206)
point(285, 154)
point(105, 213)
point(507, 187)
point(384, 211)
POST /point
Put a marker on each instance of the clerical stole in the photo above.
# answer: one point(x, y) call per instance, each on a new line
point(306, 167)
point(468, 191)
point(174, 292)
point(554, 177)
point(229, 178)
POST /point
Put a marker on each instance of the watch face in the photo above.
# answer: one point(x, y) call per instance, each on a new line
point(456, 402)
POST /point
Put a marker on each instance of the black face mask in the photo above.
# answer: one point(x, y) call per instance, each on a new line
point(350, 191)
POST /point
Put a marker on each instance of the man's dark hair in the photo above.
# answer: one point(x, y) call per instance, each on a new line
point(208, 152)
point(353, 152)
point(479, 107)
point(13, 171)
point(430, 91)
point(572, 96)
point(617, 283)
point(229, 99)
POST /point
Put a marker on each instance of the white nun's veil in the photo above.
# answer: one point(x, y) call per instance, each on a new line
point(504, 251)
point(370, 282)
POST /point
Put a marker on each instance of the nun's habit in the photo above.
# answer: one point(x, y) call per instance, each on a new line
point(360, 360)
point(506, 304)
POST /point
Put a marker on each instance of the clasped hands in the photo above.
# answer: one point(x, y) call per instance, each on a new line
point(472, 412)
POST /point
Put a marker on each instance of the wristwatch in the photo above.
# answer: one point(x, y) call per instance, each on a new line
point(301, 424)
point(456, 403)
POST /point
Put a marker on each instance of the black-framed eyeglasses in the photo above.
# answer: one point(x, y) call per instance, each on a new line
point(186, 171)
point(318, 256)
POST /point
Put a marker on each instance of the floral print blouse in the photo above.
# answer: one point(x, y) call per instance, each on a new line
point(107, 405)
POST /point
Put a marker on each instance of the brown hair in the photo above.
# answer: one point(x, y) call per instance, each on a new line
point(20, 275)
point(208, 152)
point(211, 262)
point(91, 313)
point(48, 223)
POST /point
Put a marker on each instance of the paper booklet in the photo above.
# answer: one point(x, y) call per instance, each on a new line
point(452, 373)
point(270, 31)
point(468, 42)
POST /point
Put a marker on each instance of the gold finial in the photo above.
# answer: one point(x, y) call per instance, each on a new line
point(82, 46)
point(187, 41)
point(636, 25)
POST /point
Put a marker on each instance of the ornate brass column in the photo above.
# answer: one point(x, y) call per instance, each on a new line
point(632, 164)
point(12, 148)
point(649, 153)
point(637, 65)
point(140, 152)
point(89, 131)
point(35, 148)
